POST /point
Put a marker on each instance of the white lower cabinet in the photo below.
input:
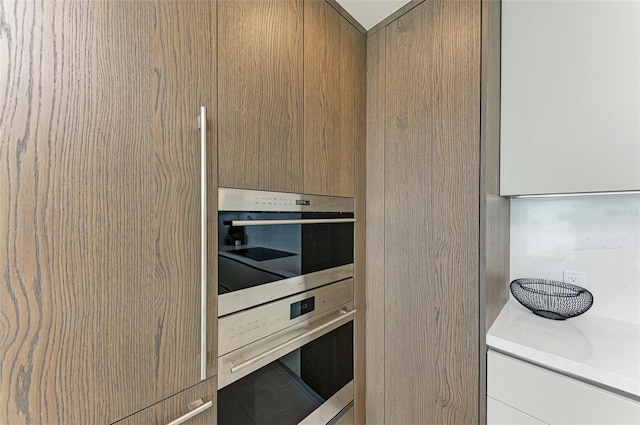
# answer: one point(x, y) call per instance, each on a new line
point(521, 393)
point(499, 413)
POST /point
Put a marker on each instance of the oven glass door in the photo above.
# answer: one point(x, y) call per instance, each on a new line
point(295, 386)
point(319, 245)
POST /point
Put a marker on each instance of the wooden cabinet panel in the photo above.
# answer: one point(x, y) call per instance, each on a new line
point(408, 156)
point(375, 254)
point(494, 210)
point(184, 60)
point(183, 403)
point(100, 222)
point(428, 152)
point(360, 228)
point(330, 52)
point(260, 118)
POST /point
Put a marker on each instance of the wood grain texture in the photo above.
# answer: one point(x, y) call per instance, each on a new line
point(395, 15)
point(260, 80)
point(174, 407)
point(490, 96)
point(346, 15)
point(375, 222)
point(411, 327)
point(498, 208)
point(497, 256)
point(360, 125)
point(99, 299)
point(432, 215)
point(184, 62)
point(494, 210)
point(329, 101)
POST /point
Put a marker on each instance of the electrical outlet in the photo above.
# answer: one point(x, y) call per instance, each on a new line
point(574, 278)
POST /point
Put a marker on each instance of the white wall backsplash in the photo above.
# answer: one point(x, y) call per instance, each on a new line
point(597, 235)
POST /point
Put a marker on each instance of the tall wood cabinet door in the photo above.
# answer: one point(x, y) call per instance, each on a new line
point(330, 52)
point(359, 408)
point(260, 118)
point(431, 257)
point(196, 406)
point(100, 217)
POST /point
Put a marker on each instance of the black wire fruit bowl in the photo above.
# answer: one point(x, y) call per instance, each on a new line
point(551, 299)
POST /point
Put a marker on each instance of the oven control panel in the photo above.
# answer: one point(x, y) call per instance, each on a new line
point(302, 307)
point(274, 201)
point(257, 200)
point(248, 326)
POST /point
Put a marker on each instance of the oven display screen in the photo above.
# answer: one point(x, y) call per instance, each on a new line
point(303, 307)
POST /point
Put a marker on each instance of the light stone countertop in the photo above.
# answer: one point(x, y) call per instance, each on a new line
point(594, 348)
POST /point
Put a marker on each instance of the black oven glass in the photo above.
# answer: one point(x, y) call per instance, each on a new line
point(254, 255)
point(289, 389)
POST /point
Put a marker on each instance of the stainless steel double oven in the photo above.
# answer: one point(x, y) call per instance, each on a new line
point(285, 305)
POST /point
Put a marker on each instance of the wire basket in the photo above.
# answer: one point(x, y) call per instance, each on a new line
point(552, 299)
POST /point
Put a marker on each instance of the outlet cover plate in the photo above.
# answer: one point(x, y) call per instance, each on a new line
point(574, 278)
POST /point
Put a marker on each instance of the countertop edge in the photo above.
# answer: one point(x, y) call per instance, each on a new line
point(617, 384)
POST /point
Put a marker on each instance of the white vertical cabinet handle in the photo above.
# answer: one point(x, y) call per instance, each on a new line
point(202, 123)
point(191, 414)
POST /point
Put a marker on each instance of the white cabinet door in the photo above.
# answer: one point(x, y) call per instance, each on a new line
point(570, 114)
point(554, 398)
point(499, 413)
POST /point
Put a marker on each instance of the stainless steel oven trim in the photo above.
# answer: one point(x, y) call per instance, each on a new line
point(245, 327)
point(330, 408)
point(344, 314)
point(239, 223)
point(347, 410)
point(290, 342)
point(246, 298)
point(258, 200)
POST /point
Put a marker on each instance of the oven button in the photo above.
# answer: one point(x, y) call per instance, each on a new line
point(302, 307)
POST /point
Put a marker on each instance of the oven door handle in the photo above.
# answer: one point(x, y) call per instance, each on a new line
point(292, 221)
point(291, 341)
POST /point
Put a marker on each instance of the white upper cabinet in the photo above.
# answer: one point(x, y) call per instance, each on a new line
point(570, 118)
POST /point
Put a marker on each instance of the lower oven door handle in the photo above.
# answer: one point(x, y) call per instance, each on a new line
point(239, 223)
point(277, 348)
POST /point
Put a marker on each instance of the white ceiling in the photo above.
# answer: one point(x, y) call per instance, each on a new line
point(370, 12)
